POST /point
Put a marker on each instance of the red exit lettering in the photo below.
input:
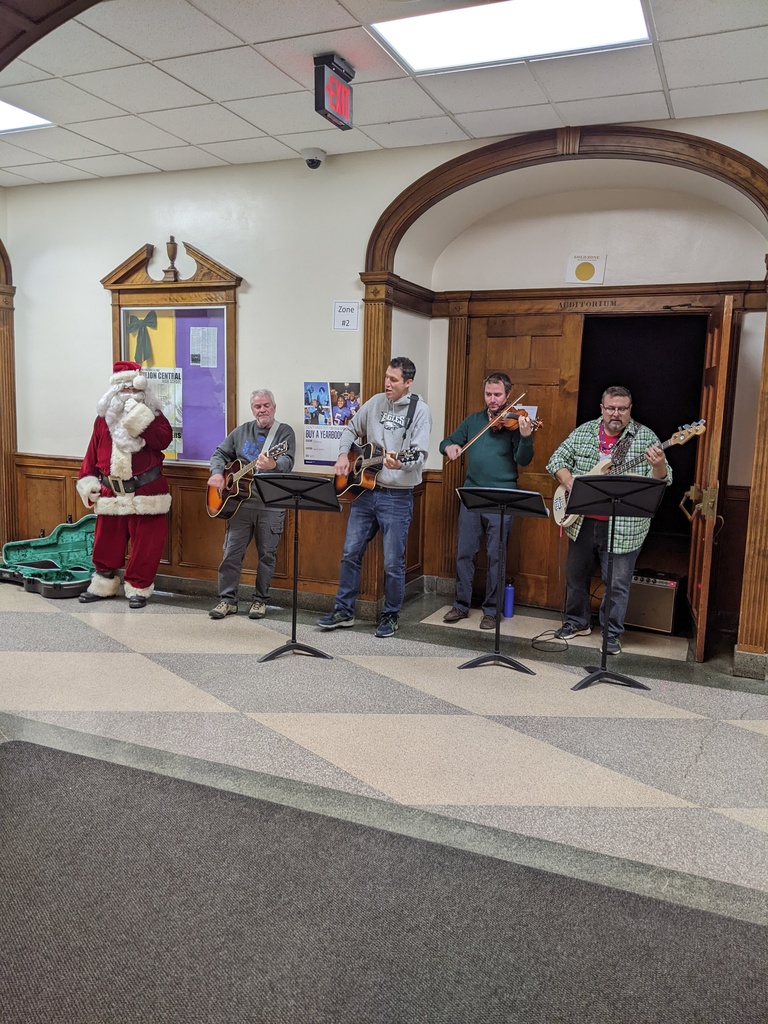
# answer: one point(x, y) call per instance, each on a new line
point(338, 97)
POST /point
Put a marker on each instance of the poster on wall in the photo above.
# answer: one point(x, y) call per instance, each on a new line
point(328, 407)
point(182, 351)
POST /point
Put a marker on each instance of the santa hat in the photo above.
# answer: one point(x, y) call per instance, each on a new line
point(128, 375)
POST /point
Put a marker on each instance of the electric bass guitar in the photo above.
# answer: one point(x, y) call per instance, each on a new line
point(364, 465)
point(606, 467)
point(223, 502)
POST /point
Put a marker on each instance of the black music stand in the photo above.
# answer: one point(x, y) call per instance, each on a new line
point(612, 496)
point(289, 490)
point(504, 502)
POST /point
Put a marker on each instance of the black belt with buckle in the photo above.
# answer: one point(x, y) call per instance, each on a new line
point(118, 486)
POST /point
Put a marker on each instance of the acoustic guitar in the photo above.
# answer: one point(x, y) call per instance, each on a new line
point(606, 467)
point(223, 502)
point(365, 463)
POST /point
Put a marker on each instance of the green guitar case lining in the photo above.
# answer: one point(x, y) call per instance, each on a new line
point(58, 565)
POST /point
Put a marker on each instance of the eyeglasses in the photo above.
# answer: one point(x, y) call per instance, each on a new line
point(617, 408)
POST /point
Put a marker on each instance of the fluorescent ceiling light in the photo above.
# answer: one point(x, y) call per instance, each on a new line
point(514, 30)
point(13, 119)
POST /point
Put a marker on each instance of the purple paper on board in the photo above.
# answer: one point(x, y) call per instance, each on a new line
point(204, 387)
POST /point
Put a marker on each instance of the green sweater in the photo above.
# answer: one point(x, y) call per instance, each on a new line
point(493, 459)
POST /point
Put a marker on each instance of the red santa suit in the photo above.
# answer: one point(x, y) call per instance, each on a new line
point(121, 479)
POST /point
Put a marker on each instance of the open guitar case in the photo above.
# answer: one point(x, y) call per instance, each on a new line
point(55, 566)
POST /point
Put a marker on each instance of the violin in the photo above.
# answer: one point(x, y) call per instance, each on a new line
point(510, 420)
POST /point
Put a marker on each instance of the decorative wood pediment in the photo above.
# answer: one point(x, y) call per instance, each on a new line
point(134, 272)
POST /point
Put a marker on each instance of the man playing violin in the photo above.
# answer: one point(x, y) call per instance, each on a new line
point(492, 461)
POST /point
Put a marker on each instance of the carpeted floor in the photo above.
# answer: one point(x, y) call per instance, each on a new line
point(133, 897)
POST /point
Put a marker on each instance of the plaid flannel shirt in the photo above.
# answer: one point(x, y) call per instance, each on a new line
point(580, 453)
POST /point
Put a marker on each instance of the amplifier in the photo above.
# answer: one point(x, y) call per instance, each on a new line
point(652, 601)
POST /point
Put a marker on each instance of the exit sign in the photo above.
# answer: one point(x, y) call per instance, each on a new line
point(333, 93)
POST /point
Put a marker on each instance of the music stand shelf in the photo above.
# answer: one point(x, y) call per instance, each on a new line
point(613, 495)
point(301, 493)
point(503, 501)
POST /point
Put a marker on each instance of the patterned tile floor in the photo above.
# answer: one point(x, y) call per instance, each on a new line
point(661, 791)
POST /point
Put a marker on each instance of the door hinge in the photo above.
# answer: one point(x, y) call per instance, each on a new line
point(703, 502)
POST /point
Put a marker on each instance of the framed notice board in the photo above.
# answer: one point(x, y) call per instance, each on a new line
point(183, 335)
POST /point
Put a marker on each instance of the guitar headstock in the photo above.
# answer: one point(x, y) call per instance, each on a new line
point(409, 455)
point(278, 449)
point(687, 431)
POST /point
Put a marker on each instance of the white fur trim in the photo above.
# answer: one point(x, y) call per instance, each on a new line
point(130, 378)
point(138, 419)
point(120, 463)
point(131, 591)
point(103, 586)
point(133, 504)
point(89, 489)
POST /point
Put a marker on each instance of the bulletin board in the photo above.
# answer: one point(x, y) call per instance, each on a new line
point(183, 333)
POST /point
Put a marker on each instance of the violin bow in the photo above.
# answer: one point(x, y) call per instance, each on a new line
point(499, 416)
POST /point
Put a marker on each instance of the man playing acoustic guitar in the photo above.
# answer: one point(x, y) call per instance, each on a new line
point(395, 421)
point(251, 441)
point(617, 436)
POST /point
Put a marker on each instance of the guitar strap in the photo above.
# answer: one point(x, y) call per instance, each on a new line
point(268, 440)
point(409, 415)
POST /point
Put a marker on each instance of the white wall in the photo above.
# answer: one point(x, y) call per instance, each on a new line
point(753, 330)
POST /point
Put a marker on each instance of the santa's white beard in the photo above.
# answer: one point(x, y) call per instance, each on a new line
point(112, 407)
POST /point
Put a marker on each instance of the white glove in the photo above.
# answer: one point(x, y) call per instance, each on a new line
point(131, 403)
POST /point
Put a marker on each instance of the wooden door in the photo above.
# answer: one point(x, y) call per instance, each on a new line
point(705, 492)
point(541, 353)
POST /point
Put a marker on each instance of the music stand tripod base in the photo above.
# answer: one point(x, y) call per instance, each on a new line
point(292, 490)
point(504, 501)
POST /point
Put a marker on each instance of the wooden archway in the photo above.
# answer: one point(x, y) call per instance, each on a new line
point(384, 289)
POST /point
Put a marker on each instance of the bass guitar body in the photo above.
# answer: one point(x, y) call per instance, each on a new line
point(560, 499)
point(222, 503)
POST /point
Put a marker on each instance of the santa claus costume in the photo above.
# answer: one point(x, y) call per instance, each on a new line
point(121, 480)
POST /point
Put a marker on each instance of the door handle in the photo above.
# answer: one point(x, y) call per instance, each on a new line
point(703, 502)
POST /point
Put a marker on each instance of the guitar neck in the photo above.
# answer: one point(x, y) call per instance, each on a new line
point(615, 470)
point(246, 469)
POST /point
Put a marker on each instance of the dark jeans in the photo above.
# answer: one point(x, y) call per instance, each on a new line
point(592, 544)
point(471, 527)
point(389, 510)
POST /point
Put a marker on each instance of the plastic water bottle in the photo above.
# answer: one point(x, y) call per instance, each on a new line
point(509, 600)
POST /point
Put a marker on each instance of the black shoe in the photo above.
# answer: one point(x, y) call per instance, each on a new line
point(136, 601)
point(88, 596)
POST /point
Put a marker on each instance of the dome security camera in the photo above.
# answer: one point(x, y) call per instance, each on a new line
point(313, 157)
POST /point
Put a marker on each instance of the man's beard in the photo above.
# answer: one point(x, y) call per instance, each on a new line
point(112, 407)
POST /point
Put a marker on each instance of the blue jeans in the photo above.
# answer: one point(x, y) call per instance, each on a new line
point(390, 510)
point(471, 526)
point(591, 543)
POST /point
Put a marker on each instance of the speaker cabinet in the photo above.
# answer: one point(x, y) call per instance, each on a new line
point(652, 601)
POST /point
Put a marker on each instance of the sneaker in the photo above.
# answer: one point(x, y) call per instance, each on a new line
point(223, 608)
point(387, 626)
point(613, 646)
point(257, 610)
point(568, 632)
point(454, 615)
point(336, 620)
point(488, 622)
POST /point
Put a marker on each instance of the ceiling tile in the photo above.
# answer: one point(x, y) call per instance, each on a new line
point(484, 124)
point(333, 141)
point(8, 180)
point(126, 133)
point(57, 101)
point(18, 71)
point(250, 151)
point(732, 98)
point(484, 88)
point(402, 100)
point(51, 172)
point(614, 72)
point(209, 123)
point(11, 155)
point(257, 21)
point(710, 60)
point(649, 106)
point(424, 132)
point(279, 115)
point(678, 19)
point(139, 88)
point(229, 74)
point(112, 166)
point(180, 158)
point(72, 48)
point(295, 56)
point(59, 144)
point(155, 30)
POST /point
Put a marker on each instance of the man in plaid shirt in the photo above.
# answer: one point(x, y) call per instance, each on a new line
point(617, 436)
